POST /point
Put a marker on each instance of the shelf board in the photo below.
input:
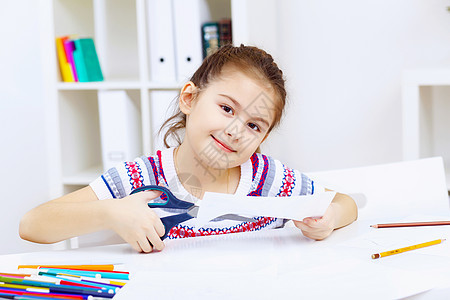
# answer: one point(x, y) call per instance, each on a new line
point(100, 85)
point(114, 85)
point(83, 177)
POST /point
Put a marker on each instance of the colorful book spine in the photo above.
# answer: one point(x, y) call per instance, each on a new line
point(210, 38)
point(64, 65)
point(68, 48)
point(225, 33)
point(86, 60)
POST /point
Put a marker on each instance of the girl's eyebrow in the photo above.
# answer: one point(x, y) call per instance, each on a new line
point(232, 100)
point(239, 106)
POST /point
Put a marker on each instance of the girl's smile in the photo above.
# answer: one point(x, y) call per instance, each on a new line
point(222, 145)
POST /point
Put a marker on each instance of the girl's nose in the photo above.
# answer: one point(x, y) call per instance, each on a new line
point(234, 129)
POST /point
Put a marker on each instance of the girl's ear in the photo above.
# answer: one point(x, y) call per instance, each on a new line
point(187, 96)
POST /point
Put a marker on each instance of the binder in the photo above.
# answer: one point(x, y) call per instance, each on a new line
point(64, 65)
point(189, 15)
point(119, 127)
point(86, 61)
point(161, 41)
point(162, 104)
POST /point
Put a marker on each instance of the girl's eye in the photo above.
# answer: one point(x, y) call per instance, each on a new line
point(227, 109)
point(253, 126)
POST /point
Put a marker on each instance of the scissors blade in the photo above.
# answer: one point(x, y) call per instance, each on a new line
point(235, 217)
point(194, 212)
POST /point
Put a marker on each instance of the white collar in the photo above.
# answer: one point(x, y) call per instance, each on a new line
point(178, 189)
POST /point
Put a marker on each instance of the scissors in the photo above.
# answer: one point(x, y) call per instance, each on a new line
point(173, 202)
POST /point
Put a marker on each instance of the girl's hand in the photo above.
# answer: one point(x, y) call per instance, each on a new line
point(135, 222)
point(318, 228)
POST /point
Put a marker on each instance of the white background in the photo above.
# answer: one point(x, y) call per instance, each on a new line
point(343, 61)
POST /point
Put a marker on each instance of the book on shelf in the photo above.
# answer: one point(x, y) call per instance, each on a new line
point(69, 46)
point(78, 59)
point(225, 33)
point(64, 65)
point(215, 35)
point(210, 38)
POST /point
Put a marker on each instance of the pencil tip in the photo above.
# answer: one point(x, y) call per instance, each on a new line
point(374, 226)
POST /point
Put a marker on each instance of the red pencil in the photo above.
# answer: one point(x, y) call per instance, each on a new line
point(433, 223)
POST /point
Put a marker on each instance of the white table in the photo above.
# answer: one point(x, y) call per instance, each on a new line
point(272, 263)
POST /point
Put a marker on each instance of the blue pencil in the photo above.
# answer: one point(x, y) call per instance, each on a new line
point(100, 274)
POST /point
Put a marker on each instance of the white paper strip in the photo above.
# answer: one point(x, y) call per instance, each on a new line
point(214, 205)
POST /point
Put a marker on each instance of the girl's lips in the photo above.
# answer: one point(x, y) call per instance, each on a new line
point(223, 146)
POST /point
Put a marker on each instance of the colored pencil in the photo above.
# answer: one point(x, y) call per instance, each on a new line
point(388, 225)
point(72, 267)
point(95, 274)
point(404, 249)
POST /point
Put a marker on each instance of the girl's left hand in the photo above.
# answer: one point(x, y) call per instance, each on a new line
point(318, 228)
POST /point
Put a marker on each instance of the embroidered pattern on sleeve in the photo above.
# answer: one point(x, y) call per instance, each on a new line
point(260, 178)
point(288, 183)
point(134, 175)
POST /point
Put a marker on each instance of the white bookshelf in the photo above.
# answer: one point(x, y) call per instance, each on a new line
point(426, 107)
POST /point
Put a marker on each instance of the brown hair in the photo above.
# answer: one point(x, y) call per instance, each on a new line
point(251, 60)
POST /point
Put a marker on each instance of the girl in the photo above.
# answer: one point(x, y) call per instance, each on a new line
point(227, 109)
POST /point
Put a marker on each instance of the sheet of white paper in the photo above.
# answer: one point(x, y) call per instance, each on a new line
point(214, 205)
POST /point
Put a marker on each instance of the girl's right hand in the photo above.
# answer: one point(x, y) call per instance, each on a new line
point(135, 222)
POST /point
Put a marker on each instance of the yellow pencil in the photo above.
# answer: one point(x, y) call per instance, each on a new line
point(409, 248)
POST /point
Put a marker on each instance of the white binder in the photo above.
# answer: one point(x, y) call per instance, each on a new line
point(189, 15)
point(162, 104)
point(119, 127)
point(161, 41)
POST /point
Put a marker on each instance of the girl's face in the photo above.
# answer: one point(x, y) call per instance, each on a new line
point(229, 119)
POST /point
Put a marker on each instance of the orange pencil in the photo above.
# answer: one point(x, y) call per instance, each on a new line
point(388, 225)
point(71, 267)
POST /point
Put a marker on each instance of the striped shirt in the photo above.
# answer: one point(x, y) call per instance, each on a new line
point(261, 175)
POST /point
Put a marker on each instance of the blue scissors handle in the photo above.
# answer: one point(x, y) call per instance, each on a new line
point(172, 221)
point(172, 202)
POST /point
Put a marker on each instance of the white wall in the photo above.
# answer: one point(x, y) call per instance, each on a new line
point(23, 177)
point(343, 61)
